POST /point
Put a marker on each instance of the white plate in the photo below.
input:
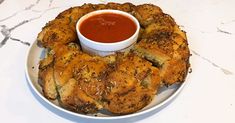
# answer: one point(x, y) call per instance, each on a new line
point(36, 53)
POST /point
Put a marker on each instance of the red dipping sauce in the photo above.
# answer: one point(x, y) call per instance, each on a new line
point(108, 28)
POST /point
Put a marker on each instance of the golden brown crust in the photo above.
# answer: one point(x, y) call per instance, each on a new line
point(64, 54)
point(78, 78)
point(75, 13)
point(174, 71)
point(120, 83)
point(162, 25)
point(46, 78)
point(74, 98)
point(53, 35)
point(126, 7)
point(131, 84)
point(170, 54)
point(145, 13)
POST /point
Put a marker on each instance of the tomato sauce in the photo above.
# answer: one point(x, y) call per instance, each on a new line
point(107, 28)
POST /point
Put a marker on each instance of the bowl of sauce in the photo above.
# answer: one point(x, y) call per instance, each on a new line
point(105, 32)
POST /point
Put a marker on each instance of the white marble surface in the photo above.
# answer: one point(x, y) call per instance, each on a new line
point(209, 95)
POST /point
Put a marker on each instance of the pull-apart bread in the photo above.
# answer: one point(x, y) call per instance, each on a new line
point(121, 83)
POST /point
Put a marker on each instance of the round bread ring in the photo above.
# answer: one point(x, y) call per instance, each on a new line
point(161, 43)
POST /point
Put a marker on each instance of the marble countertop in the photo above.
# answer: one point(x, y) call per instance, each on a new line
point(209, 94)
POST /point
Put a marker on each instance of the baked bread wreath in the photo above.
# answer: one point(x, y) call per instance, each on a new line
point(121, 83)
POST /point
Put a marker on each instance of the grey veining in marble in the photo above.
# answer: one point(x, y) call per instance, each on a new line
point(223, 31)
point(6, 31)
point(29, 7)
point(51, 1)
point(225, 71)
point(1, 1)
